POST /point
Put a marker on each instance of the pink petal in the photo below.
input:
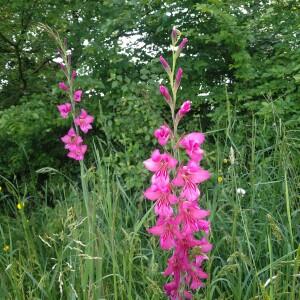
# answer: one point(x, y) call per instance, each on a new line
point(156, 230)
point(151, 165)
point(152, 193)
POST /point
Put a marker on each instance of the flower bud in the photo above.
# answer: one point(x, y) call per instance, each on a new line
point(77, 95)
point(63, 86)
point(162, 134)
point(178, 78)
point(164, 91)
point(183, 43)
point(181, 46)
point(165, 64)
point(185, 108)
point(175, 35)
point(74, 74)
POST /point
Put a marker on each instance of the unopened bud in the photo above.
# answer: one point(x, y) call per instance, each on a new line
point(178, 78)
point(181, 46)
point(165, 64)
point(175, 35)
point(164, 91)
point(185, 108)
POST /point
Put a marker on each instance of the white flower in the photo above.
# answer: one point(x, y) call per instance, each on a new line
point(241, 192)
point(69, 52)
point(231, 156)
point(58, 60)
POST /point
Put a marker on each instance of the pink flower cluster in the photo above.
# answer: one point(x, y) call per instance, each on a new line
point(72, 140)
point(181, 225)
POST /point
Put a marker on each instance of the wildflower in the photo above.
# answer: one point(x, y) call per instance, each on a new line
point(64, 109)
point(163, 199)
point(164, 91)
point(184, 109)
point(167, 229)
point(241, 192)
point(183, 43)
point(180, 220)
point(77, 95)
point(165, 64)
point(175, 35)
point(78, 152)
point(188, 177)
point(181, 46)
point(225, 161)
point(176, 266)
point(58, 60)
point(220, 179)
point(0, 188)
point(20, 205)
point(160, 164)
point(71, 140)
point(194, 277)
point(6, 248)
point(84, 121)
point(74, 74)
point(63, 86)
point(231, 156)
point(190, 215)
point(191, 143)
point(178, 79)
point(201, 250)
point(162, 134)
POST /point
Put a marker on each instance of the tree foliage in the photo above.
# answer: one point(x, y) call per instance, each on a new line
point(242, 60)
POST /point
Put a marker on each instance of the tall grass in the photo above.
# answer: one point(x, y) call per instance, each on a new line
point(256, 251)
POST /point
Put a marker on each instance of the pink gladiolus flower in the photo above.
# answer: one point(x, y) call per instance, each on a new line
point(163, 199)
point(176, 265)
point(204, 225)
point(180, 222)
point(63, 86)
point(78, 152)
point(77, 95)
point(187, 295)
point(188, 177)
point(185, 108)
point(195, 274)
point(74, 74)
point(71, 140)
point(191, 143)
point(190, 215)
point(64, 109)
point(162, 134)
point(178, 78)
point(160, 164)
point(167, 229)
point(203, 248)
point(165, 64)
point(84, 121)
point(164, 91)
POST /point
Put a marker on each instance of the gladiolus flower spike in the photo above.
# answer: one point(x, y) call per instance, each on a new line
point(181, 225)
point(81, 120)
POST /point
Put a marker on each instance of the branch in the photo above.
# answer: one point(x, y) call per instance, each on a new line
point(41, 65)
point(7, 40)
